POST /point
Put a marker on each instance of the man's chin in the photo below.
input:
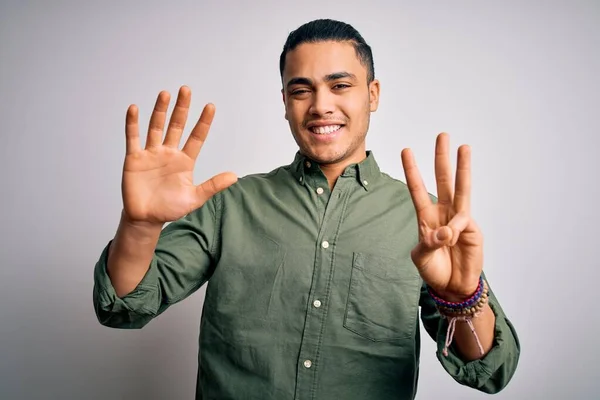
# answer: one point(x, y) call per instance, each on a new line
point(324, 158)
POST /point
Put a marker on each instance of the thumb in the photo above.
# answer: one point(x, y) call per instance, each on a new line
point(441, 237)
point(430, 243)
point(436, 238)
point(214, 185)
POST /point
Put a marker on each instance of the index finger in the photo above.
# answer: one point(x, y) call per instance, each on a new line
point(415, 184)
point(132, 132)
point(200, 132)
point(462, 196)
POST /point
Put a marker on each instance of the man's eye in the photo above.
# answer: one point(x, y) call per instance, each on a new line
point(341, 86)
point(299, 91)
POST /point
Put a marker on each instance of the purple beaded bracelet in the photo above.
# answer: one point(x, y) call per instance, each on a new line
point(474, 299)
point(463, 311)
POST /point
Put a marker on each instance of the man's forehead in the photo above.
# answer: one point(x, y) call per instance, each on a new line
point(317, 60)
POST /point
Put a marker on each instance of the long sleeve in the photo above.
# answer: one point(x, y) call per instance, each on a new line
point(489, 374)
point(183, 261)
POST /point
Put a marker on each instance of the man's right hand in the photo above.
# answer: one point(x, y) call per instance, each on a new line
point(157, 183)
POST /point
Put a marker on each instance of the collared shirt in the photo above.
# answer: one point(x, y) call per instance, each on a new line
point(311, 292)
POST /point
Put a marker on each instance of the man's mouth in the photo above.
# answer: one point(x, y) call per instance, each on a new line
point(325, 130)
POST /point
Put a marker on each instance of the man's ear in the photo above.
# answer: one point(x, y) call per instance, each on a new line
point(374, 88)
point(284, 105)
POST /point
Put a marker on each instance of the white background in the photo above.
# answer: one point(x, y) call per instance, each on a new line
point(518, 81)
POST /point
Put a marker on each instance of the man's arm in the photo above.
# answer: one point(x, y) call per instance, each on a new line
point(464, 338)
point(136, 277)
point(183, 260)
point(130, 254)
point(489, 373)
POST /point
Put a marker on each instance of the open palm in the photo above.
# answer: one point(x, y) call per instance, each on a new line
point(157, 183)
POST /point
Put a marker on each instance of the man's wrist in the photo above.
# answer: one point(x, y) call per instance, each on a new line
point(452, 298)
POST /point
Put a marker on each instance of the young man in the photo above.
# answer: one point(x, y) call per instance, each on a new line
point(316, 270)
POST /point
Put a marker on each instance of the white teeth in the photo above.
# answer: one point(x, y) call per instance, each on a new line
point(325, 130)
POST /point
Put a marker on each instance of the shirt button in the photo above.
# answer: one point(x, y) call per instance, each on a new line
point(317, 303)
point(307, 364)
point(319, 190)
point(308, 164)
point(300, 179)
point(325, 244)
point(366, 183)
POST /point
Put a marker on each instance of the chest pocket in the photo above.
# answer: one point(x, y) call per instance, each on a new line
point(383, 298)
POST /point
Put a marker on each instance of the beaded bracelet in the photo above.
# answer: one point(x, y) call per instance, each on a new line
point(462, 311)
point(464, 304)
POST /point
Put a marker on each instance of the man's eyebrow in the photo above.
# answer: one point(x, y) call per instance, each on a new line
point(299, 81)
point(339, 75)
point(328, 78)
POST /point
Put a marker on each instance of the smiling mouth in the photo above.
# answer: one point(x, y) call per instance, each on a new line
point(325, 130)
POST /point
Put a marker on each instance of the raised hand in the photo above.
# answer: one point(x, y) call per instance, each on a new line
point(449, 255)
point(157, 181)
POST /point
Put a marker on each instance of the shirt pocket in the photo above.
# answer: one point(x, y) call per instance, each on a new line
point(383, 298)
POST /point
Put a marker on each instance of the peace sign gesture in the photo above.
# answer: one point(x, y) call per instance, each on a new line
point(449, 255)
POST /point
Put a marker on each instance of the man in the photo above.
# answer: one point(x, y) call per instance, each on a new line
point(316, 270)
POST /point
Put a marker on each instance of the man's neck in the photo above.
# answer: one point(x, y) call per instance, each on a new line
point(333, 171)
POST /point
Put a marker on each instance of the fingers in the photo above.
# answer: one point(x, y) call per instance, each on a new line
point(178, 117)
point(214, 185)
point(132, 131)
point(420, 256)
point(462, 196)
point(443, 169)
point(455, 227)
point(200, 132)
point(415, 184)
point(157, 120)
point(430, 241)
point(447, 235)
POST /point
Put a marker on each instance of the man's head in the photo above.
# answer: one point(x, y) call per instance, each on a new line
point(329, 90)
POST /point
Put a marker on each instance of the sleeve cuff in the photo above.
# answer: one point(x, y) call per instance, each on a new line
point(144, 300)
point(480, 373)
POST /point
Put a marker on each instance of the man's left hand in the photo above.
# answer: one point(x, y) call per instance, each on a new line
point(449, 255)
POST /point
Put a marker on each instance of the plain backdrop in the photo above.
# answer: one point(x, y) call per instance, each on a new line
point(517, 80)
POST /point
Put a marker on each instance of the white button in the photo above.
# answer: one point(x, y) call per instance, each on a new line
point(317, 303)
point(300, 179)
point(319, 190)
point(308, 164)
point(366, 183)
point(307, 363)
point(325, 244)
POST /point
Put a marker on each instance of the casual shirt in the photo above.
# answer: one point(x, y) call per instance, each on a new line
point(311, 292)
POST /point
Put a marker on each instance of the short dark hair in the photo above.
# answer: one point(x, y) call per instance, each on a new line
point(322, 30)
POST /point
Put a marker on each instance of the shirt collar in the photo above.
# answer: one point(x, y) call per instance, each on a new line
point(365, 172)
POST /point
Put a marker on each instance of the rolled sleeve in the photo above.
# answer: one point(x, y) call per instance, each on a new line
point(132, 311)
point(182, 262)
point(489, 374)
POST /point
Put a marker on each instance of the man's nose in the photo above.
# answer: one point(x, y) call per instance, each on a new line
point(323, 103)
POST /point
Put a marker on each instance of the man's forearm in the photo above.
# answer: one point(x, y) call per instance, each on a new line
point(465, 341)
point(130, 254)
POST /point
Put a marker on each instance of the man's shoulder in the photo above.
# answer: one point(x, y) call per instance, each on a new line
point(398, 185)
point(276, 175)
point(261, 182)
point(389, 183)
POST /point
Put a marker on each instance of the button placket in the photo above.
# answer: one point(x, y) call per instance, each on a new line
point(316, 314)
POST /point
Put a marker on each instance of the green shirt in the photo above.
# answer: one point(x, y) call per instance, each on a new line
point(311, 292)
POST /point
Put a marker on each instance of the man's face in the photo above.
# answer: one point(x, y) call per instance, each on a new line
point(328, 101)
